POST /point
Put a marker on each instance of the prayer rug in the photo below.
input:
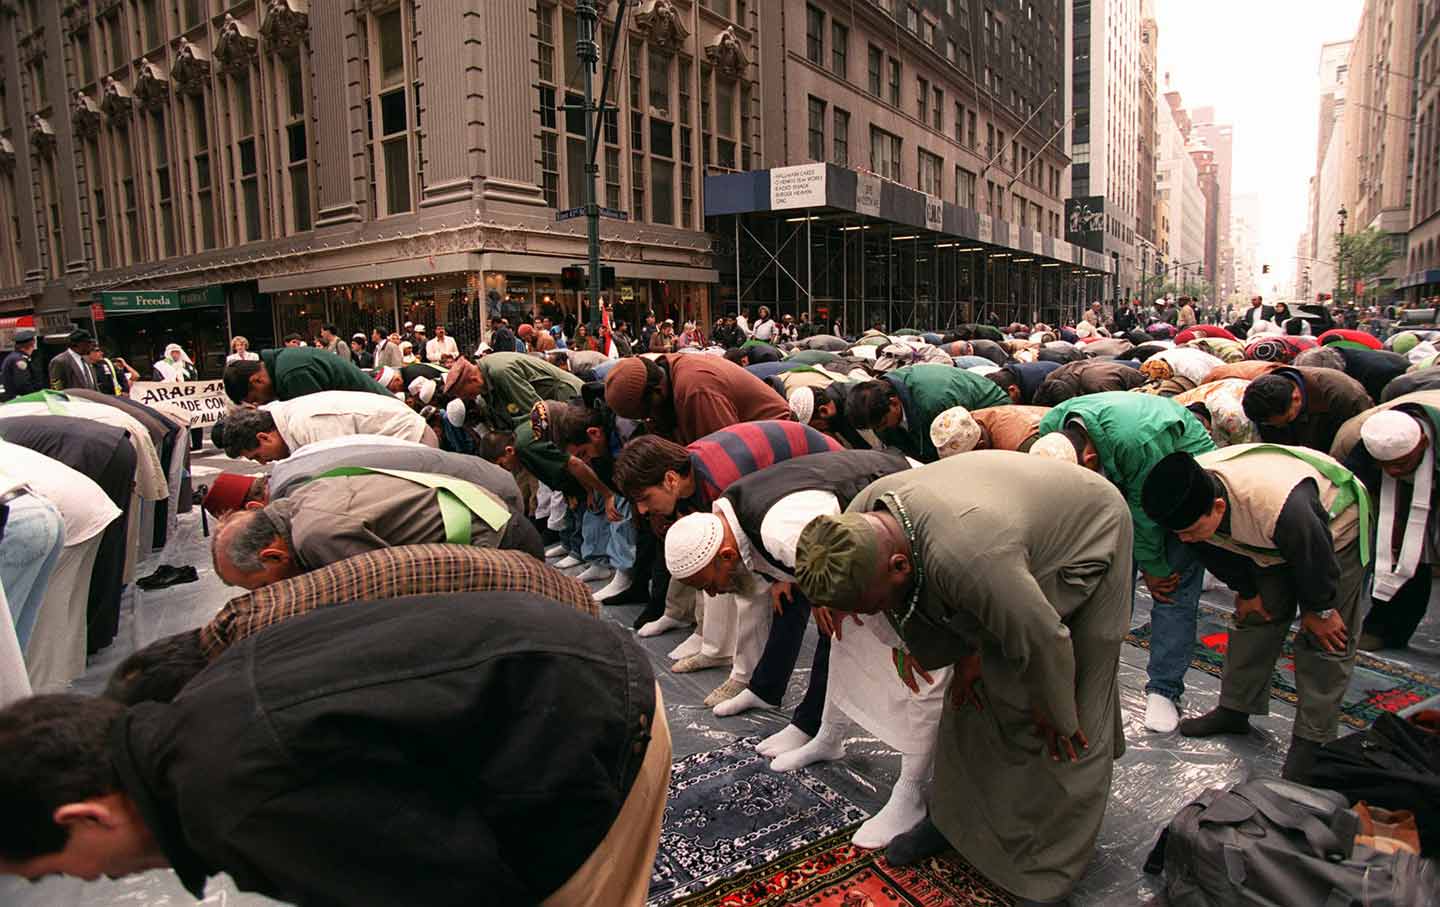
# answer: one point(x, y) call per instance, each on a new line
point(835, 873)
point(729, 813)
point(1376, 685)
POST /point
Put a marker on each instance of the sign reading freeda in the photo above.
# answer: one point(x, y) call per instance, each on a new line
point(201, 403)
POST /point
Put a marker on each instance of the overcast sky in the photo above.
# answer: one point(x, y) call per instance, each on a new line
point(1257, 63)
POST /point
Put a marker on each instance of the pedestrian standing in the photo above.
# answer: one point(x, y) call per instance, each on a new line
point(240, 350)
point(330, 342)
point(359, 355)
point(175, 365)
point(18, 374)
point(113, 376)
point(441, 344)
point(72, 367)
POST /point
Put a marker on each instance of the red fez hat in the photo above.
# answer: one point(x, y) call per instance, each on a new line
point(227, 493)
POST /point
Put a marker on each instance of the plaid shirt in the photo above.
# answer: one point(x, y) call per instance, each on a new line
point(391, 573)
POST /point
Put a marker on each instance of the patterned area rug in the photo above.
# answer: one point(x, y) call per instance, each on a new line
point(835, 873)
point(1376, 685)
point(728, 813)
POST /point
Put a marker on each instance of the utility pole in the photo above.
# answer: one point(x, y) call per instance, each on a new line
point(587, 49)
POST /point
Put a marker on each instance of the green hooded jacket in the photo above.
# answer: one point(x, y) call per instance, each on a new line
point(1131, 433)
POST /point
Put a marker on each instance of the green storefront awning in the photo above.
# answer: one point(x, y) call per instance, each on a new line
point(136, 302)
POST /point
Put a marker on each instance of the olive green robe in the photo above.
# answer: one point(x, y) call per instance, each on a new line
point(1027, 561)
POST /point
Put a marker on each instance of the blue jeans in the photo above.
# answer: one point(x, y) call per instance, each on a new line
point(34, 537)
point(600, 538)
point(1172, 624)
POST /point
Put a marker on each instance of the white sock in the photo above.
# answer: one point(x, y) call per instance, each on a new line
point(568, 561)
point(828, 745)
point(691, 646)
point(1161, 714)
point(618, 583)
point(790, 738)
point(740, 703)
point(593, 571)
point(662, 624)
point(902, 812)
point(556, 550)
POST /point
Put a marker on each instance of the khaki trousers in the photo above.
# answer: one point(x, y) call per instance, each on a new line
point(617, 873)
point(1320, 676)
point(56, 653)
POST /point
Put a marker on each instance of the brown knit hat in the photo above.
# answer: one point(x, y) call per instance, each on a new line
point(625, 388)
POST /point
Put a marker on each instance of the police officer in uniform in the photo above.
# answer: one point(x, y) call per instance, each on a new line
point(17, 374)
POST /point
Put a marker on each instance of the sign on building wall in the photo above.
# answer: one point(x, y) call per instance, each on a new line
point(987, 228)
point(130, 302)
point(934, 213)
point(202, 403)
point(797, 187)
point(1085, 222)
point(867, 194)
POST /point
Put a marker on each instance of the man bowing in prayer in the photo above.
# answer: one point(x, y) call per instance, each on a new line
point(975, 562)
point(1396, 460)
point(1288, 529)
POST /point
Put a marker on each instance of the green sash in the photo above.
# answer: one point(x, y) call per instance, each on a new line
point(457, 498)
point(1350, 490)
point(53, 400)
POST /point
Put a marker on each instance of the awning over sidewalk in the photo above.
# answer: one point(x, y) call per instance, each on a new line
point(811, 186)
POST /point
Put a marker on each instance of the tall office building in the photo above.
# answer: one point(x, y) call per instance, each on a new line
point(1315, 267)
point(1179, 192)
point(1105, 134)
point(1147, 141)
point(1376, 165)
point(1219, 138)
point(913, 168)
point(1422, 279)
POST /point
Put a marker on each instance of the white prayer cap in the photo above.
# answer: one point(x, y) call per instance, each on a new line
point(387, 374)
point(419, 328)
point(1056, 446)
point(802, 404)
point(692, 543)
point(954, 431)
point(423, 389)
point(1390, 435)
point(455, 413)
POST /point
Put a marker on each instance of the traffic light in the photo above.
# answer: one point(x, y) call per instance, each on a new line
point(1264, 269)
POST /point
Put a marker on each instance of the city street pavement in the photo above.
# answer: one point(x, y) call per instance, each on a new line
point(1155, 778)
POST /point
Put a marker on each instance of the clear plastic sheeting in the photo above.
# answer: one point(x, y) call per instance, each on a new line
point(1157, 776)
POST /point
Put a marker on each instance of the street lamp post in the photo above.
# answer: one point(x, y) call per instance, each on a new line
point(1340, 256)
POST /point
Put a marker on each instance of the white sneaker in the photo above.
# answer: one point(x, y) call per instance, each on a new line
point(567, 562)
point(1161, 714)
point(556, 550)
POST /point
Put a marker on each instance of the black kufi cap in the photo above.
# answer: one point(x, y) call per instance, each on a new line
point(1177, 492)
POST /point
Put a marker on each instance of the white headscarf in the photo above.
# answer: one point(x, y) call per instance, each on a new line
point(168, 368)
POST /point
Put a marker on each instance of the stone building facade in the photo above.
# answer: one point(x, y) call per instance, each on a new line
point(361, 162)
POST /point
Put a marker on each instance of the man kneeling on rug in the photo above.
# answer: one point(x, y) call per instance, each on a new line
point(974, 561)
point(369, 755)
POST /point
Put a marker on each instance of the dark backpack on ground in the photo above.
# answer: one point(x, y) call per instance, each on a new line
point(1394, 764)
point(1273, 843)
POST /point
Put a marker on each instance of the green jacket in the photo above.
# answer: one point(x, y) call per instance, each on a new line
point(300, 370)
point(1131, 433)
point(515, 382)
point(925, 392)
